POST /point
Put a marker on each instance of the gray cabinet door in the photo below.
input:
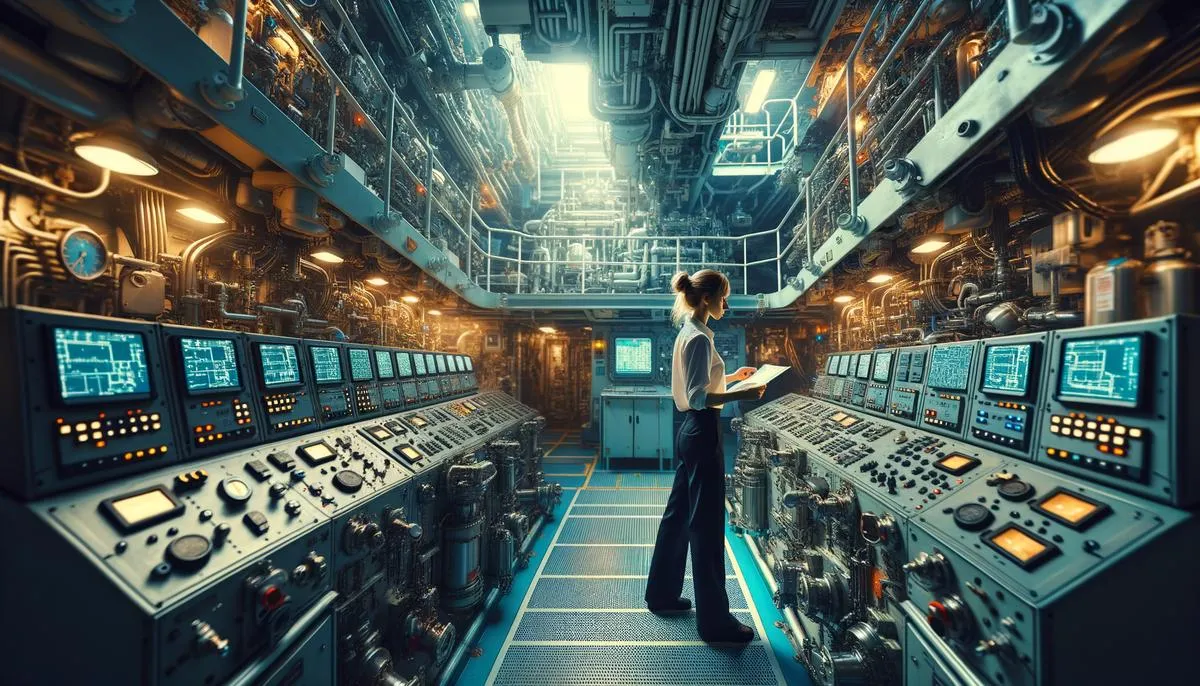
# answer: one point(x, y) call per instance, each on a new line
point(618, 427)
point(647, 413)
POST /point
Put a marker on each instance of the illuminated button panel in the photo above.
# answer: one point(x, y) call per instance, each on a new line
point(944, 411)
point(876, 397)
point(1099, 443)
point(858, 390)
point(335, 403)
point(102, 440)
point(837, 388)
point(366, 399)
point(1002, 422)
point(288, 411)
point(390, 396)
point(219, 421)
point(903, 403)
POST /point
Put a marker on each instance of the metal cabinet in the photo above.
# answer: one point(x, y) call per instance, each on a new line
point(637, 427)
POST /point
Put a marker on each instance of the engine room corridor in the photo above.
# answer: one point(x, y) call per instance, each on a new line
point(580, 619)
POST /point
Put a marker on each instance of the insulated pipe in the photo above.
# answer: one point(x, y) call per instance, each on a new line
point(28, 71)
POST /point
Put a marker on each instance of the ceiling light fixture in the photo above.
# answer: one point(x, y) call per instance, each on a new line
point(410, 299)
point(843, 298)
point(117, 154)
point(327, 257)
point(470, 10)
point(758, 92)
point(547, 329)
point(377, 281)
point(434, 313)
point(931, 243)
point(1133, 142)
point(881, 277)
point(200, 214)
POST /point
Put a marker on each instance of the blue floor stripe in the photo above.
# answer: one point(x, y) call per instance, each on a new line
point(794, 673)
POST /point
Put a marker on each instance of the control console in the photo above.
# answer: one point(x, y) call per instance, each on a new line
point(904, 400)
point(945, 402)
point(1003, 413)
point(334, 392)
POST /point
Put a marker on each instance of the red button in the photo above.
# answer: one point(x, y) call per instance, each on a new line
point(272, 597)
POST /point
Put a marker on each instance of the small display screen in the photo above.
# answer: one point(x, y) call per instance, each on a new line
point(831, 364)
point(883, 366)
point(1006, 368)
point(95, 364)
point(316, 453)
point(133, 511)
point(470, 364)
point(430, 364)
point(441, 364)
point(383, 361)
point(404, 364)
point(410, 452)
point(1021, 545)
point(956, 464)
point(279, 365)
point(148, 505)
point(378, 432)
point(1071, 509)
point(951, 367)
point(327, 364)
point(633, 356)
point(849, 421)
point(1105, 371)
point(209, 364)
point(838, 416)
point(417, 421)
point(864, 366)
point(460, 363)
point(360, 365)
point(844, 365)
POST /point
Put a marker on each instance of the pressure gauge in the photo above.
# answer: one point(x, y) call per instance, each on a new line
point(83, 253)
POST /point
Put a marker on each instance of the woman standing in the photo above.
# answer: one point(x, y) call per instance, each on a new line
point(695, 512)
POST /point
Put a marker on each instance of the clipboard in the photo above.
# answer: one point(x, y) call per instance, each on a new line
point(762, 377)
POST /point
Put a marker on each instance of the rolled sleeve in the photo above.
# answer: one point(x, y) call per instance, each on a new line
point(697, 360)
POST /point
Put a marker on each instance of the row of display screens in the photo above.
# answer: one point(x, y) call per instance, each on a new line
point(97, 364)
point(1105, 371)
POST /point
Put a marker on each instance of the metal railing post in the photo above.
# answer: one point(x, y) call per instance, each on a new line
point(745, 269)
point(387, 188)
point(520, 261)
point(489, 259)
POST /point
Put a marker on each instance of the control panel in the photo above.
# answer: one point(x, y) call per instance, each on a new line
point(87, 400)
point(997, 570)
point(946, 387)
point(876, 393)
point(904, 400)
point(391, 397)
point(1003, 407)
point(217, 410)
point(367, 400)
point(335, 394)
point(287, 403)
point(1116, 408)
point(862, 376)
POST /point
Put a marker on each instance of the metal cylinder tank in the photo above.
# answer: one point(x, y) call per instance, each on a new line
point(462, 585)
point(1112, 292)
point(751, 482)
point(1170, 283)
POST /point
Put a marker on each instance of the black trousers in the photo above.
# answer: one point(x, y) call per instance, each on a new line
point(695, 517)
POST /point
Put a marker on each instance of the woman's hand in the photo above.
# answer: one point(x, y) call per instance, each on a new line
point(741, 374)
point(754, 392)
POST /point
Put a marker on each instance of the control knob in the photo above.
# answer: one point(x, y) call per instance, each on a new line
point(879, 529)
point(276, 491)
point(949, 617)
point(313, 568)
point(208, 640)
point(360, 535)
point(189, 552)
point(412, 530)
point(220, 534)
point(292, 507)
point(930, 571)
point(347, 481)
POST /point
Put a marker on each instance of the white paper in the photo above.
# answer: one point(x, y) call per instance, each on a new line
point(762, 377)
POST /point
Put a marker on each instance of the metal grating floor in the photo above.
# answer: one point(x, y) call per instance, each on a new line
point(583, 621)
point(648, 665)
point(606, 560)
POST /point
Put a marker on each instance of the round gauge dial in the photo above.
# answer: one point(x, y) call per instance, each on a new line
point(83, 253)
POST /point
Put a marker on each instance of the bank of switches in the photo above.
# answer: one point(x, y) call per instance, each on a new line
point(989, 546)
point(347, 549)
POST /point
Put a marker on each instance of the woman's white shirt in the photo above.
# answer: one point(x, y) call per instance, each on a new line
point(696, 367)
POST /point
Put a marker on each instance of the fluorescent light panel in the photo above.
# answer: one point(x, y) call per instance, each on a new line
point(758, 92)
point(327, 257)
